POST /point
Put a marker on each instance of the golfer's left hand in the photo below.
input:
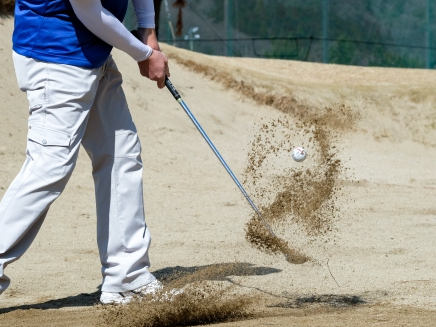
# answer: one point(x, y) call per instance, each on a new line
point(148, 36)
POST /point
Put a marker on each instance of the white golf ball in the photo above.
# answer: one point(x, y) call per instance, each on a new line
point(299, 154)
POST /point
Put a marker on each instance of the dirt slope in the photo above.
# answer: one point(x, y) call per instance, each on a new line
point(383, 249)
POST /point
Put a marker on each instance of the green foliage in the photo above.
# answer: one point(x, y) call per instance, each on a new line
point(384, 58)
point(386, 21)
point(343, 53)
point(284, 49)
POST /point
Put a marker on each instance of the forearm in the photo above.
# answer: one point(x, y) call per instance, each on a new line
point(144, 10)
point(108, 28)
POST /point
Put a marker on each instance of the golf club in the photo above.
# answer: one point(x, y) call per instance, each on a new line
point(182, 103)
point(179, 99)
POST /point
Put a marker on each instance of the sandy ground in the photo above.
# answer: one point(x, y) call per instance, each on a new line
point(384, 249)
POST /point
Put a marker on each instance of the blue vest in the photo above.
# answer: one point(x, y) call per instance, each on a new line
point(49, 30)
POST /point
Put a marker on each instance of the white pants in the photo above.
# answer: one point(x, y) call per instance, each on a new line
point(69, 106)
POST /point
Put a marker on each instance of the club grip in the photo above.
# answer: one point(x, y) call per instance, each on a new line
point(168, 83)
point(172, 89)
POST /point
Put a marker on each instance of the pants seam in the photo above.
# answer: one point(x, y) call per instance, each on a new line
point(46, 92)
point(125, 157)
point(118, 199)
point(119, 134)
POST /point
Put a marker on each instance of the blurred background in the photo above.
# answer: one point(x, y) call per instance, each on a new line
point(388, 33)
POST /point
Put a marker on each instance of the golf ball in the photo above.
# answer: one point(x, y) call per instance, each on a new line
point(299, 154)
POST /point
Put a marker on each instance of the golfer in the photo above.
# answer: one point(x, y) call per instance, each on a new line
point(61, 53)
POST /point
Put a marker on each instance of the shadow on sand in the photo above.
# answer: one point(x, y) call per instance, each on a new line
point(332, 300)
point(221, 272)
point(216, 272)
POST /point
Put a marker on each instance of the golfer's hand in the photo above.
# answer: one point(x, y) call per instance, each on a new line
point(155, 67)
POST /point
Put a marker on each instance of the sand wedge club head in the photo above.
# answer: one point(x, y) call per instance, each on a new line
point(179, 99)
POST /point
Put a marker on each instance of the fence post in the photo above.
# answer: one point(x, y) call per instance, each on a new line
point(228, 25)
point(428, 59)
point(325, 31)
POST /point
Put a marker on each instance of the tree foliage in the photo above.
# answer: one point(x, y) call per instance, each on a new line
point(385, 21)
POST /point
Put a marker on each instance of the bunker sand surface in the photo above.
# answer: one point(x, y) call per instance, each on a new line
point(379, 249)
point(375, 315)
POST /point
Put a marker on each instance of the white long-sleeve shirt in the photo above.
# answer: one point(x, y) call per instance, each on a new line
point(108, 28)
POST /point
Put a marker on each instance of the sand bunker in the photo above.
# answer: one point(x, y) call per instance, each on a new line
point(305, 195)
point(199, 304)
point(206, 299)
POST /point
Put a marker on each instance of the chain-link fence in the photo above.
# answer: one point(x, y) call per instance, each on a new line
point(396, 33)
point(341, 51)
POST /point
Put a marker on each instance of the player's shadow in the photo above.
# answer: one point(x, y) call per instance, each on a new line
point(331, 300)
point(216, 272)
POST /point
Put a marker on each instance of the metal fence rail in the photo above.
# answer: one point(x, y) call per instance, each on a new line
point(306, 48)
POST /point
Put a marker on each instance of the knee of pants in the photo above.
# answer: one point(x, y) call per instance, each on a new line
point(127, 145)
point(51, 153)
point(122, 145)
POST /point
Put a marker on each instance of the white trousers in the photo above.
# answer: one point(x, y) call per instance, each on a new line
point(69, 106)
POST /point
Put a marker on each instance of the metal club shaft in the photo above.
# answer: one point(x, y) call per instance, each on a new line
point(177, 96)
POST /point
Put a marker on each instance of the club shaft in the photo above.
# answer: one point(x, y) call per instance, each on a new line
point(177, 96)
point(179, 99)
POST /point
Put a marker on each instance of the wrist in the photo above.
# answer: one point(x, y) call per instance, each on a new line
point(147, 55)
point(148, 37)
point(146, 32)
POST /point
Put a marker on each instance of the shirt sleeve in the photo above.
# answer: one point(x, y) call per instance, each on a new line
point(108, 28)
point(144, 10)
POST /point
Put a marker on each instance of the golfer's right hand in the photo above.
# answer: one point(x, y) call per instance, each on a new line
point(155, 68)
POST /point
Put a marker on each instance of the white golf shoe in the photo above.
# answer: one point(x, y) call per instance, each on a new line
point(153, 288)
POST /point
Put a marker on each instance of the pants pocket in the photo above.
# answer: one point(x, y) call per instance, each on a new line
point(50, 149)
point(37, 101)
